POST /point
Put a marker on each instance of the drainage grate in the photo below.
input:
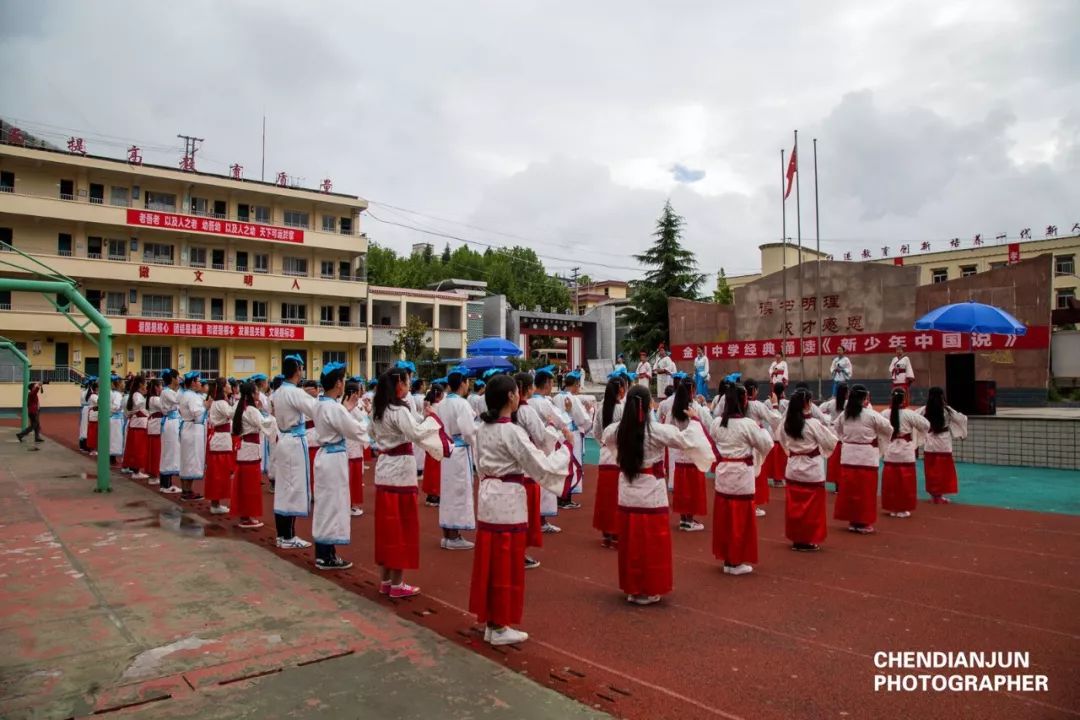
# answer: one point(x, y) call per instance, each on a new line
point(345, 653)
point(252, 676)
point(137, 703)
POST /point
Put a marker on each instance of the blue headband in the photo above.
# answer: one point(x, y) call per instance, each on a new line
point(359, 379)
point(479, 384)
point(257, 377)
point(297, 358)
point(331, 367)
point(192, 375)
point(547, 370)
point(680, 375)
point(575, 375)
point(406, 365)
point(492, 372)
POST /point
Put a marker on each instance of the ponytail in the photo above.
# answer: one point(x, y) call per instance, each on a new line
point(734, 404)
point(681, 402)
point(841, 397)
point(497, 397)
point(795, 421)
point(247, 397)
point(633, 428)
point(855, 401)
point(611, 399)
point(894, 415)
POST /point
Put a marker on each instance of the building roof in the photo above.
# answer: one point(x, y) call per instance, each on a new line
point(413, 292)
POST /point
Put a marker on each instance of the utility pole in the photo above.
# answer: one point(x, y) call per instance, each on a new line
point(190, 148)
point(574, 277)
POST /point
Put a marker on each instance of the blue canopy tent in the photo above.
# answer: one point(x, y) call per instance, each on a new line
point(493, 347)
point(971, 317)
point(477, 365)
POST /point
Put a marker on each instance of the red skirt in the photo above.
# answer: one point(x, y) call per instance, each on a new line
point(217, 483)
point(689, 495)
point(804, 514)
point(734, 537)
point(832, 468)
point(644, 551)
point(431, 483)
point(605, 517)
point(91, 434)
point(397, 528)
point(153, 455)
point(535, 535)
point(311, 453)
point(857, 499)
point(898, 487)
point(369, 454)
point(135, 449)
point(761, 483)
point(247, 496)
point(777, 463)
point(497, 592)
point(356, 481)
point(940, 473)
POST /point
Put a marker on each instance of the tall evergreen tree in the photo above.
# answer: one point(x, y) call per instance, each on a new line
point(723, 294)
point(673, 274)
point(446, 254)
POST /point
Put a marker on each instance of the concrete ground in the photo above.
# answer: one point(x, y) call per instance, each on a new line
point(123, 602)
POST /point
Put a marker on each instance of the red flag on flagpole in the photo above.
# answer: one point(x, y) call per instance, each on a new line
point(792, 165)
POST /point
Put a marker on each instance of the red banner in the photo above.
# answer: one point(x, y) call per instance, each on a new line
point(194, 328)
point(1014, 253)
point(1037, 338)
point(232, 228)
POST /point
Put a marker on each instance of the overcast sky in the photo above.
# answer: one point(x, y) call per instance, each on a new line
point(567, 124)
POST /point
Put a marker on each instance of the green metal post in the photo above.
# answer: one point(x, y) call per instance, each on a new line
point(6, 344)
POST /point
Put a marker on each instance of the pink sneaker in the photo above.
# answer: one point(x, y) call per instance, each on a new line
point(941, 500)
point(403, 590)
point(384, 587)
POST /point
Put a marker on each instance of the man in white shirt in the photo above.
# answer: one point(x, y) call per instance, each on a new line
point(840, 369)
point(665, 366)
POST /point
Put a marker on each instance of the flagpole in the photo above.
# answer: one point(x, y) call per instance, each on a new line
point(783, 241)
point(798, 234)
point(817, 275)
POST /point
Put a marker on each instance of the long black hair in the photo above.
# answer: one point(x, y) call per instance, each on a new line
point(795, 420)
point(135, 386)
point(935, 410)
point(681, 402)
point(351, 388)
point(153, 388)
point(855, 401)
point(386, 391)
point(611, 399)
point(633, 428)
point(751, 387)
point(499, 390)
point(217, 390)
point(841, 396)
point(734, 403)
point(248, 392)
point(894, 415)
point(778, 390)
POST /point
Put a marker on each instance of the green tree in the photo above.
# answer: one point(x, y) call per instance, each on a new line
point(446, 254)
point(584, 280)
point(384, 267)
point(723, 294)
point(411, 340)
point(673, 274)
point(429, 253)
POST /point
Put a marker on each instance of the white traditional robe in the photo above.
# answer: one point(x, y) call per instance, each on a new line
point(859, 435)
point(116, 423)
point(901, 371)
point(192, 436)
point(253, 422)
point(170, 432)
point(137, 415)
point(841, 369)
point(292, 486)
point(829, 410)
point(505, 450)
point(416, 405)
point(778, 372)
point(397, 427)
point(644, 373)
point(221, 413)
point(743, 446)
point(354, 449)
point(607, 453)
point(84, 414)
point(153, 407)
point(92, 413)
point(269, 439)
point(580, 422)
point(956, 426)
point(816, 436)
point(547, 413)
point(646, 489)
point(900, 449)
point(663, 379)
point(478, 403)
point(334, 425)
point(457, 511)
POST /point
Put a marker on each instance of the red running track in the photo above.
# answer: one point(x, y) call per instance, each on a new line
point(796, 639)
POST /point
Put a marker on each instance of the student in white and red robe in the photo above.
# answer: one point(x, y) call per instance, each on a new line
point(606, 503)
point(902, 374)
point(505, 456)
point(220, 456)
point(116, 421)
point(778, 370)
point(92, 417)
point(431, 473)
point(863, 431)
point(262, 394)
point(688, 498)
point(417, 393)
point(645, 573)
point(742, 446)
point(833, 408)
point(767, 419)
point(805, 439)
point(457, 510)
point(354, 449)
point(153, 430)
point(330, 523)
point(644, 370)
point(137, 447)
point(663, 411)
point(776, 464)
point(665, 368)
point(397, 528)
point(251, 426)
point(580, 421)
point(898, 483)
point(193, 408)
point(557, 417)
point(938, 465)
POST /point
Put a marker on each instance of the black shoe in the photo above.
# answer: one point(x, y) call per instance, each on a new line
point(531, 563)
point(39, 440)
point(569, 505)
point(191, 496)
point(805, 547)
point(336, 563)
point(20, 436)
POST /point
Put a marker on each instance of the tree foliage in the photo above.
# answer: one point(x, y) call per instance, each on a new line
point(411, 340)
point(723, 294)
point(672, 274)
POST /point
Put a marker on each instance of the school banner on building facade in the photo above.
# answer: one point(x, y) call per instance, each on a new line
point(190, 328)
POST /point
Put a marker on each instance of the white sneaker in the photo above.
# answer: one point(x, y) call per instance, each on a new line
point(738, 569)
point(902, 514)
point(759, 512)
point(126, 471)
point(172, 489)
point(508, 636)
point(294, 543)
point(550, 529)
point(153, 481)
point(458, 543)
point(140, 476)
point(219, 510)
point(487, 633)
point(691, 526)
point(644, 599)
point(93, 453)
point(356, 512)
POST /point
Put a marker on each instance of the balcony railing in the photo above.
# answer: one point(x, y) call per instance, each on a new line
point(5, 306)
point(156, 313)
point(294, 273)
point(294, 321)
point(97, 200)
point(257, 319)
point(118, 258)
point(67, 196)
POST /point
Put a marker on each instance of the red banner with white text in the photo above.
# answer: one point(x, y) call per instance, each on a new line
point(194, 328)
point(1037, 338)
point(214, 226)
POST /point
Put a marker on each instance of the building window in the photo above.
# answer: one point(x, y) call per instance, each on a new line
point(262, 214)
point(326, 269)
point(63, 245)
point(205, 360)
point(293, 314)
point(217, 309)
point(241, 261)
point(343, 314)
point(5, 299)
point(939, 275)
point(296, 219)
point(67, 189)
point(118, 250)
point(998, 265)
point(295, 266)
point(329, 223)
point(121, 197)
point(258, 311)
point(115, 303)
point(196, 308)
point(1063, 296)
point(1064, 265)
point(337, 356)
point(240, 310)
point(200, 206)
point(7, 181)
point(217, 259)
point(160, 201)
point(243, 364)
point(97, 194)
point(262, 263)
point(7, 237)
point(346, 226)
point(197, 257)
point(326, 315)
point(157, 306)
point(158, 253)
point(156, 357)
point(968, 270)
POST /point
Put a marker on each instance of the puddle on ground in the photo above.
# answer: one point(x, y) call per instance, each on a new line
point(188, 525)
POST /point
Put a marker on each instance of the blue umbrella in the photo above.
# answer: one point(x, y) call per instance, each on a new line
point(971, 317)
point(479, 364)
point(494, 346)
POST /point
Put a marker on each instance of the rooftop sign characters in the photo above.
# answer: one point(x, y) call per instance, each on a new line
point(214, 226)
